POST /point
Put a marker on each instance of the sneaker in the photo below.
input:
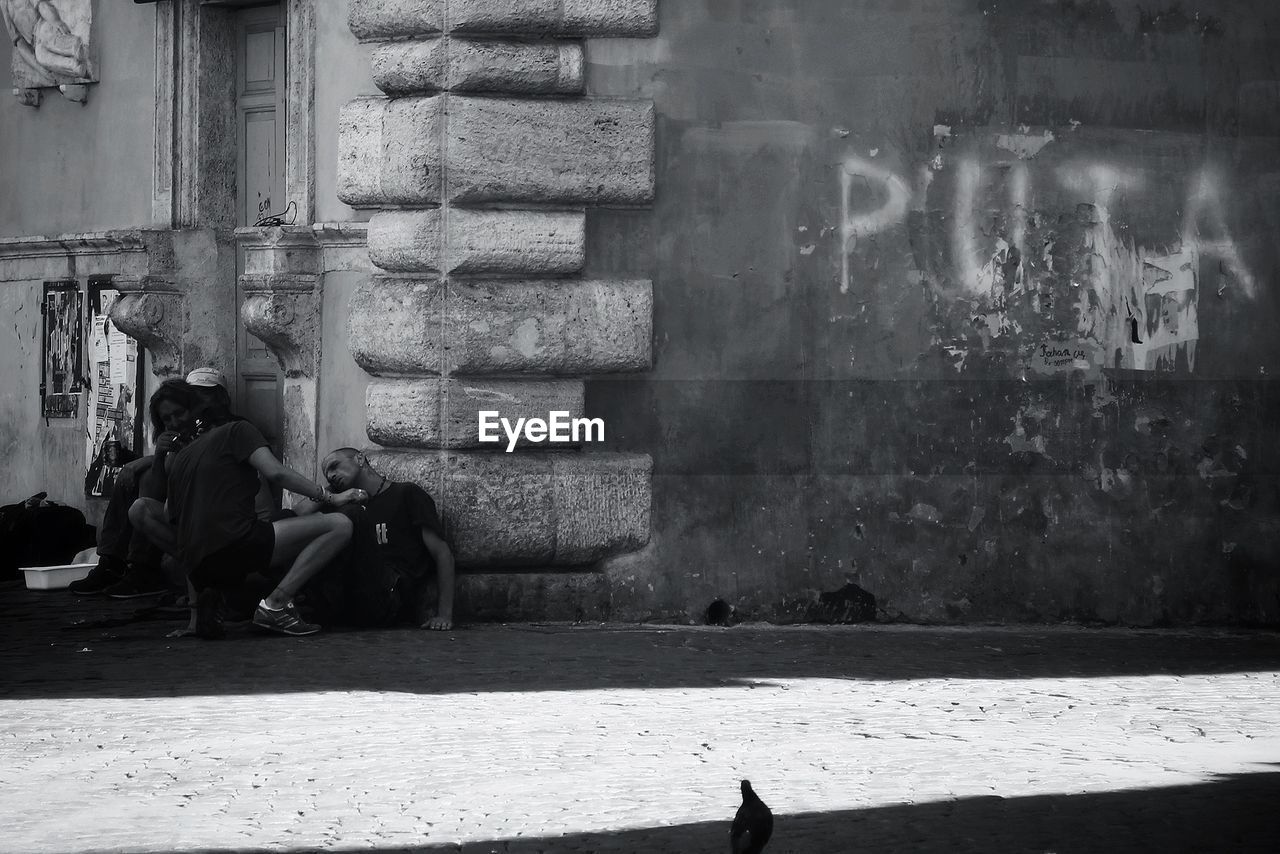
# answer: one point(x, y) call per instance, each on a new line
point(285, 621)
point(209, 614)
point(101, 577)
point(136, 584)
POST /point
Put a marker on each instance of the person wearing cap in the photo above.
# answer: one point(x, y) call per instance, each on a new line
point(142, 573)
point(211, 484)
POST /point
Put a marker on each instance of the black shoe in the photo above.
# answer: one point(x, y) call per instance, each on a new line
point(136, 584)
point(209, 614)
point(102, 576)
point(285, 621)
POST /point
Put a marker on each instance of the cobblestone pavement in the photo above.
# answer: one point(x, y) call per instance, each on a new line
point(631, 739)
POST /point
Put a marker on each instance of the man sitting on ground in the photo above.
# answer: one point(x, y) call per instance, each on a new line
point(398, 567)
point(129, 564)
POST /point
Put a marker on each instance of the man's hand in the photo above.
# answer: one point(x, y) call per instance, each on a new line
point(348, 496)
point(439, 624)
point(169, 442)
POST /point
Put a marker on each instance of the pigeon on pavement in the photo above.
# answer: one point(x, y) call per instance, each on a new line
point(752, 826)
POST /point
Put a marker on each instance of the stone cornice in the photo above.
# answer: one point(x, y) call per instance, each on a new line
point(139, 253)
point(324, 247)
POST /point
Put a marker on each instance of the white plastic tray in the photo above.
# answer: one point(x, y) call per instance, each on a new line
point(55, 577)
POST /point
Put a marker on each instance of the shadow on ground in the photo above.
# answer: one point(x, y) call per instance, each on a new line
point(54, 645)
point(1233, 813)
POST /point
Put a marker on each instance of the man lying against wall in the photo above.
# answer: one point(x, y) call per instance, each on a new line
point(398, 568)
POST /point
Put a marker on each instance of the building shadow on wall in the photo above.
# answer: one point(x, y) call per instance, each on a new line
point(53, 645)
point(1230, 813)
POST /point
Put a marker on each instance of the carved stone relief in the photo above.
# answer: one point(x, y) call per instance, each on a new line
point(52, 46)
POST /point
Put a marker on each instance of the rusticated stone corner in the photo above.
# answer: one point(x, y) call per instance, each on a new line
point(532, 509)
point(510, 242)
point(384, 19)
point(287, 322)
point(438, 413)
point(388, 151)
point(559, 328)
point(569, 152)
point(157, 321)
point(472, 65)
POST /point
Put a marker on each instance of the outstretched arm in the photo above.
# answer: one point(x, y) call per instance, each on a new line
point(278, 474)
point(443, 557)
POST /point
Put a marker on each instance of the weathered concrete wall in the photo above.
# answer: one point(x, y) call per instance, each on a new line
point(38, 456)
point(71, 167)
point(968, 303)
point(342, 73)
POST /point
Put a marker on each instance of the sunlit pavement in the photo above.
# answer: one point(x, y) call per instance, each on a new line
point(560, 738)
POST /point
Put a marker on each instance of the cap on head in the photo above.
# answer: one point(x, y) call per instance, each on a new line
point(206, 378)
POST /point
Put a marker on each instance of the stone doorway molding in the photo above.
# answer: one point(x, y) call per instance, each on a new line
point(194, 166)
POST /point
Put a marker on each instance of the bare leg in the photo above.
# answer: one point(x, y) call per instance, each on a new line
point(309, 542)
point(147, 516)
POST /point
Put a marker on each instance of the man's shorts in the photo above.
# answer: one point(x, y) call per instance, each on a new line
point(230, 565)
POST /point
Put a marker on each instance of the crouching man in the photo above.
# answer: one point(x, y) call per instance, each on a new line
point(398, 567)
point(211, 523)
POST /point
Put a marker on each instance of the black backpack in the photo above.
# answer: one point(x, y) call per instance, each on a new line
point(39, 532)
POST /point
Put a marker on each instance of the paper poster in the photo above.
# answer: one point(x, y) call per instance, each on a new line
point(62, 377)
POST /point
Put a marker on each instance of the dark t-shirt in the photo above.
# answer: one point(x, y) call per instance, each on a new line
point(389, 526)
point(212, 488)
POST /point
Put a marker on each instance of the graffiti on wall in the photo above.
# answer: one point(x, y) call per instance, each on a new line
point(61, 377)
point(1031, 244)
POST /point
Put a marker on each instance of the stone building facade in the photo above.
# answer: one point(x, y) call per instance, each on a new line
point(964, 305)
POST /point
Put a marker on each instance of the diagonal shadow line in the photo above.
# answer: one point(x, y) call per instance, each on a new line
point(1229, 813)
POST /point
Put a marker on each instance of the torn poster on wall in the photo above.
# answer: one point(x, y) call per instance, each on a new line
point(61, 371)
point(114, 428)
point(52, 46)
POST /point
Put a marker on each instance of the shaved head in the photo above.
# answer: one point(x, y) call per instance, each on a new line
point(343, 453)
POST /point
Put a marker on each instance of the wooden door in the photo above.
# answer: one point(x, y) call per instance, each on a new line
point(260, 111)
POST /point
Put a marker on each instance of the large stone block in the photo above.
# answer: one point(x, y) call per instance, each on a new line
point(440, 413)
point(572, 152)
point(520, 243)
point(394, 326)
point(498, 150)
point(382, 19)
point(389, 151)
point(558, 17)
point(566, 328)
point(470, 65)
point(532, 509)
